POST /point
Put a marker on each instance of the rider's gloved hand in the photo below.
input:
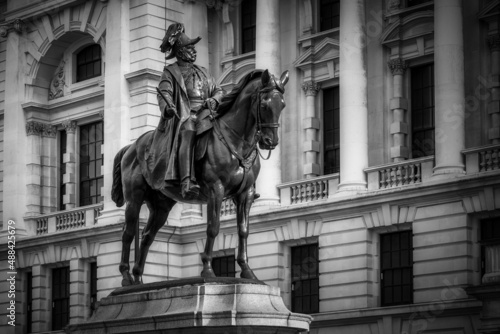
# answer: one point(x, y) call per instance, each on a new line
point(211, 103)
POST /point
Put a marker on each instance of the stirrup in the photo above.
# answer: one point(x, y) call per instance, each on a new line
point(189, 190)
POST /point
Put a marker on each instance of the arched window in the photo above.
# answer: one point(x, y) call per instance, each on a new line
point(88, 63)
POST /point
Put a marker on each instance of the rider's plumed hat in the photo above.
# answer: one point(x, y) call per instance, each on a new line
point(174, 39)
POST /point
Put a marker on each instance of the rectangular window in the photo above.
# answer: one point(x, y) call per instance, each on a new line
point(224, 266)
point(329, 14)
point(60, 298)
point(331, 130)
point(305, 279)
point(62, 168)
point(248, 25)
point(396, 268)
point(91, 159)
point(29, 301)
point(490, 235)
point(93, 287)
point(422, 111)
point(88, 63)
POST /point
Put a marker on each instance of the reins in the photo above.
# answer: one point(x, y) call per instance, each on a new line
point(244, 160)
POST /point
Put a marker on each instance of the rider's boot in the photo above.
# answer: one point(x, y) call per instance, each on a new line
point(189, 187)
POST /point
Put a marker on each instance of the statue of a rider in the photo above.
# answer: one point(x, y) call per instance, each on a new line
point(185, 89)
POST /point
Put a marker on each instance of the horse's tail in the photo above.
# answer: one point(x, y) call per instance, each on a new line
point(117, 189)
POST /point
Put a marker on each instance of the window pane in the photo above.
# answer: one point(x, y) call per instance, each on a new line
point(422, 110)
point(396, 267)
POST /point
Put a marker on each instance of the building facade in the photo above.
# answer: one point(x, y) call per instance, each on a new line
point(379, 210)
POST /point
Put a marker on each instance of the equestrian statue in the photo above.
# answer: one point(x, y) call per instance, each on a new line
point(204, 150)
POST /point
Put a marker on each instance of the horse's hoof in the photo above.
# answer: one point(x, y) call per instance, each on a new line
point(208, 273)
point(137, 280)
point(126, 282)
point(248, 274)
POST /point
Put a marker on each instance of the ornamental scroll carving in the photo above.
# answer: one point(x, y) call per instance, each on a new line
point(16, 25)
point(311, 88)
point(69, 126)
point(494, 42)
point(57, 82)
point(397, 66)
point(34, 128)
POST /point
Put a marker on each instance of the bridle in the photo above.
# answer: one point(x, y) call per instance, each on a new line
point(260, 125)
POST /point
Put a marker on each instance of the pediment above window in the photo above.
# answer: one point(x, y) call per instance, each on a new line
point(490, 11)
point(320, 62)
point(411, 36)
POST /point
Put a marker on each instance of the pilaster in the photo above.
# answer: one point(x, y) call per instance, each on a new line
point(311, 125)
point(34, 168)
point(48, 160)
point(69, 178)
point(267, 56)
point(77, 302)
point(40, 303)
point(353, 97)
point(494, 103)
point(399, 107)
point(449, 87)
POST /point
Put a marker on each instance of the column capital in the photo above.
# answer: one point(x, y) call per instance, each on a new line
point(34, 128)
point(311, 87)
point(397, 66)
point(16, 25)
point(69, 126)
point(49, 131)
point(494, 42)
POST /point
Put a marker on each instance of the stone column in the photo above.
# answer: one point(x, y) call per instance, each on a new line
point(399, 106)
point(40, 307)
point(494, 105)
point(311, 127)
point(353, 97)
point(116, 99)
point(267, 56)
point(69, 178)
point(15, 139)
point(449, 87)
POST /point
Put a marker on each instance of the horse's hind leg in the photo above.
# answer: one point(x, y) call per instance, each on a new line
point(159, 208)
point(131, 220)
point(213, 223)
point(243, 204)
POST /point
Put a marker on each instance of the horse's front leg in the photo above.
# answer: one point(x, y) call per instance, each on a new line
point(213, 223)
point(243, 204)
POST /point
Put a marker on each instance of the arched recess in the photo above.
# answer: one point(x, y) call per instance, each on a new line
point(233, 74)
point(411, 36)
point(52, 35)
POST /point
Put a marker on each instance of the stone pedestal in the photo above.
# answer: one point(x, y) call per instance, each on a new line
point(194, 305)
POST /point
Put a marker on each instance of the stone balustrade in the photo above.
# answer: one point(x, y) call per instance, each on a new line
point(227, 208)
point(400, 173)
point(482, 159)
point(309, 190)
point(65, 220)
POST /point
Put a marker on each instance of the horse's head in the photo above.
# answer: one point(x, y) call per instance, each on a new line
point(269, 108)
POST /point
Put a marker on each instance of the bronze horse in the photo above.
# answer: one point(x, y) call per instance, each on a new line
point(228, 169)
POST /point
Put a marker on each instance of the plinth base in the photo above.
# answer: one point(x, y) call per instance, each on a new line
point(195, 305)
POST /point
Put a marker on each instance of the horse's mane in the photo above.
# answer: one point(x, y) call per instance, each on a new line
point(228, 99)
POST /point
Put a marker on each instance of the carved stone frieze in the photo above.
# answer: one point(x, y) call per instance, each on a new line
point(69, 126)
point(311, 88)
point(34, 128)
point(57, 82)
point(397, 66)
